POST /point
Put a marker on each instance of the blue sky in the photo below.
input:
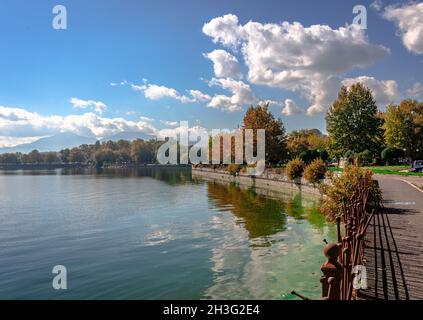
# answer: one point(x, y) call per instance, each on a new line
point(114, 42)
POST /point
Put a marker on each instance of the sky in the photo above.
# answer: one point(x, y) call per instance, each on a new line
point(146, 65)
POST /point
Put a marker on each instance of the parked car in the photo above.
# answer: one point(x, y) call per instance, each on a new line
point(417, 166)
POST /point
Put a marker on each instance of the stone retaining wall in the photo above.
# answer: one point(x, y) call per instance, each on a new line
point(268, 181)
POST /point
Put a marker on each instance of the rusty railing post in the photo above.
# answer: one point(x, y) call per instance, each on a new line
point(332, 273)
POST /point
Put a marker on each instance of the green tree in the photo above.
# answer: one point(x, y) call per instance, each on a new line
point(76, 155)
point(64, 155)
point(306, 139)
point(260, 117)
point(392, 155)
point(34, 157)
point(404, 127)
point(105, 156)
point(142, 151)
point(353, 122)
point(50, 157)
point(10, 158)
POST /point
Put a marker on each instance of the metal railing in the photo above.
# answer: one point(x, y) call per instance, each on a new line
point(339, 282)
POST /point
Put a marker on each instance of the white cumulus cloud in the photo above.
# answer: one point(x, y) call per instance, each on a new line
point(416, 91)
point(144, 118)
point(224, 30)
point(384, 91)
point(198, 96)
point(97, 106)
point(156, 92)
point(241, 95)
point(290, 108)
point(409, 20)
point(225, 65)
point(18, 124)
point(170, 123)
point(308, 60)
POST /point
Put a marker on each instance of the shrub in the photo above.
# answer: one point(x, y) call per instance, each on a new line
point(294, 168)
point(309, 155)
point(323, 154)
point(233, 168)
point(391, 155)
point(342, 189)
point(349, 156)
point(315, 172)
point(363, 157)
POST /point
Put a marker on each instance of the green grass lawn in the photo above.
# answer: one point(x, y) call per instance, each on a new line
point(388, 170)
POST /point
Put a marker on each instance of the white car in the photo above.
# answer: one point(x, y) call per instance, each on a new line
point(417, 166)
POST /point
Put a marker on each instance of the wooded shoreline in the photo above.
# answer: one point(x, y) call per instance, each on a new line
point(46, 166)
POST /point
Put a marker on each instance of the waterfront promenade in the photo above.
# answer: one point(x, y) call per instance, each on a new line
point(394, 242)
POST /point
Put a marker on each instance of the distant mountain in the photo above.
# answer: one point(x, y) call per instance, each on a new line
point(130, 136)
point(53, 143)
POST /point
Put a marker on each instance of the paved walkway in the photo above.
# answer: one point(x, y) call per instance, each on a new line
point(394, 242)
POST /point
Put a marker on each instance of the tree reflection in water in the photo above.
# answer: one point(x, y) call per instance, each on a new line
point(264, 217)
point(261, 217)
point(170, 175)
point(296, 208)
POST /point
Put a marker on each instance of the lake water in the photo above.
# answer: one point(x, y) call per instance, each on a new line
point(154, 233)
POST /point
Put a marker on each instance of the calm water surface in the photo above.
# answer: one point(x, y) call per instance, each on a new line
point(154, 234)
